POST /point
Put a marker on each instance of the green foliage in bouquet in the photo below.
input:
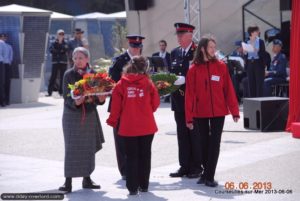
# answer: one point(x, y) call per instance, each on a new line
point(164, 83)
point(102, 65)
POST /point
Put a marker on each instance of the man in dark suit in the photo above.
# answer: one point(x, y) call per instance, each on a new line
point(135, 43)
point(188, 142)
point(163, 53)
point(166, 56)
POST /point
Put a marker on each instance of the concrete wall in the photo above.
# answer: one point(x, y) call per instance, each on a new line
point(156, 23)
point(222, 18)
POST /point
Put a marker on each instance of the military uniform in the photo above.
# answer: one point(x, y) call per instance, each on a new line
point(115, 71)
point(180, 65)
point(189, 158)
point(277, 74)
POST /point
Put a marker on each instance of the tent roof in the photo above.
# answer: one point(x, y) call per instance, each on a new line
point(97, 15)
point(121, 14)
point(15, 8)
point(56, 15)
point(94, 15)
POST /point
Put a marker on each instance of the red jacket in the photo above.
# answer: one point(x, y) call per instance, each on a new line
point(209, 91)
point(134, 100)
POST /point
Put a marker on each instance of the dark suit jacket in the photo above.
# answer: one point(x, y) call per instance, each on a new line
point(180, 66)
point(115, 71)
point(278, 66)
point(168, 58)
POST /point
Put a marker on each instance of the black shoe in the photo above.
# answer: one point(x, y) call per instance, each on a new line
point(67, 188)
point(144, 190)
point(48, 95)
point(133, 192)
point(193, 175)
point(201, 180)
point(211, 183)
point(179, 173)
point(88, 183)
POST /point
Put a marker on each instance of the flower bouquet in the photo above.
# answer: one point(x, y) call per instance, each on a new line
point(166, 83)
point(92, 84)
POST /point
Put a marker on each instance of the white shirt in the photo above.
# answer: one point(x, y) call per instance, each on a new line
point(129, 54)
point(162, 54)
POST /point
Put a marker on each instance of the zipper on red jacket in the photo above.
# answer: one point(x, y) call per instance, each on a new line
point(211, 99)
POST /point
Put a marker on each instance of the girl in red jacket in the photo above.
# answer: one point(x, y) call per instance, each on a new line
point(134, 100)
point(209, 97)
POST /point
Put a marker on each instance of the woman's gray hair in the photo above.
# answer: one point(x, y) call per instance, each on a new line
point(83, 50)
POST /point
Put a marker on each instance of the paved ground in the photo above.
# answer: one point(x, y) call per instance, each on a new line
point(31, 159)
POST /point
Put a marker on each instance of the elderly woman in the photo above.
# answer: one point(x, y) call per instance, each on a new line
point(82, 129)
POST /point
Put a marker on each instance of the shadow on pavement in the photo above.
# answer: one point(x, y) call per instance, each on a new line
point(233, 142)
point(28, 105)
point(165, 105)
point(81, 195)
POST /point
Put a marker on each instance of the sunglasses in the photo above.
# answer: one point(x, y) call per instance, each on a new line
point(61, 34)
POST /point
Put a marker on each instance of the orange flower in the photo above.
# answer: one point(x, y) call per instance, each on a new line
point(162, 84)
point(88, 76)
point(76, 92)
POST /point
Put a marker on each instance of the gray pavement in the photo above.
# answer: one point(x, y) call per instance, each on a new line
point(32, 152)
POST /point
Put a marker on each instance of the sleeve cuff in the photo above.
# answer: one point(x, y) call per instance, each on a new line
point(111, 123)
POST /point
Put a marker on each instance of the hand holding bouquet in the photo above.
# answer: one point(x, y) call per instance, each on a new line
point(166, 83)
point(92, 84)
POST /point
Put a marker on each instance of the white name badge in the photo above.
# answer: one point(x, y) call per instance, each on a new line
point(215, 78)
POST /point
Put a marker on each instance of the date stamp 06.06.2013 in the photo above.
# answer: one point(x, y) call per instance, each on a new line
point(256, 187)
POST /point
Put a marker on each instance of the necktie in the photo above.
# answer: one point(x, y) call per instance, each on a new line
point(183, 53)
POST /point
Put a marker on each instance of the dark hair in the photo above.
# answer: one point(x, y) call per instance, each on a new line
point(138, 65)
point(203, 43)
point(252, 29)
point(163, 41)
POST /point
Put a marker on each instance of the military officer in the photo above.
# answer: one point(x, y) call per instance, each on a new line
point(181, 58)
point(277, 73)
point(135, 43)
